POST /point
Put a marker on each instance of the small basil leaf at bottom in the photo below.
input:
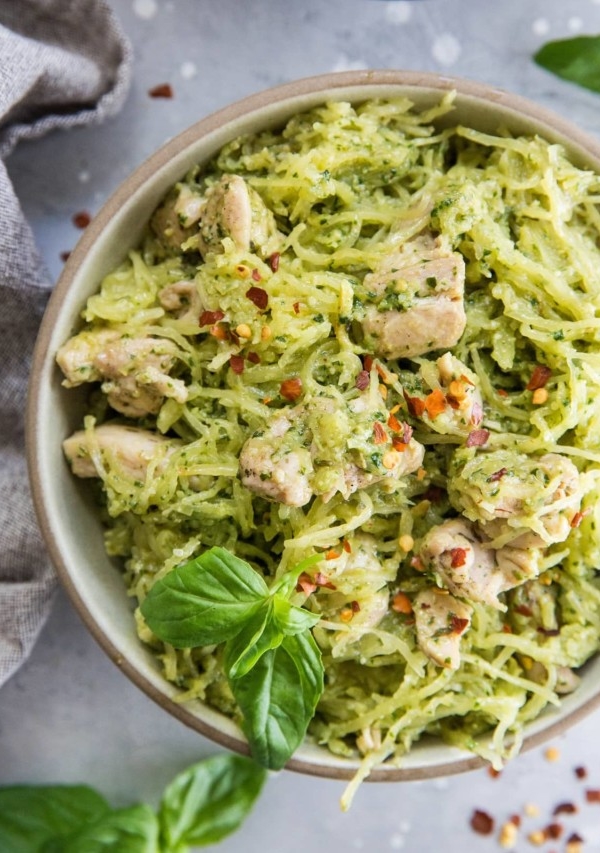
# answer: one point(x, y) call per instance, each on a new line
point(204, 601)
point(574, 59)
point(130, 830)
point(278, 698)
point(291, 619)
point(209, 801)
point(31, 816)
point(259, 634)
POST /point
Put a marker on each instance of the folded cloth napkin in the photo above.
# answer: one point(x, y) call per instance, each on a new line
point(62, 63)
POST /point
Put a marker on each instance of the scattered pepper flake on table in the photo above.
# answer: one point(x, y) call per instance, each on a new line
point(81, 219)
point(163, 90)
point(482, 822)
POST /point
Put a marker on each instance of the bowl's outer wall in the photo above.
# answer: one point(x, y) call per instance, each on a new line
point(67, 516)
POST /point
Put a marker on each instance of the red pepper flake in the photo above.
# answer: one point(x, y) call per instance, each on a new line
point(523, 609)
point(477, 437)
point(493, 772)
point(574, 839)
point(256, 276)
point(379, 433)
point(362, 380)
point(401, 603)
point(291, 389)
point(82, 219)
point(549, 632)
point(416, 406)
point(332, 554)
point(368, 362)
point(581, 772)
point(64, 256)
point(592, 795)
point(502, 393)
point(554, 830)
point(218, 331)
point(417, 563)
point(209, 318)
point(506, 629)
point(458, 625)
point(273, 261)
point(253, 358)
point(236, 362)
point(399, 444)
point(323, 581)
point(355, 606)
point(394, 424)
point(497, 475)
point(435, 403)
point(540, 376)
point(515, 818)
point(578, 518)
point(347, 546)
point(476, 414)
point(163, 90)
point(306, 584)
point(257, 295)
point(296, 307)
point(459, 557)
point(482, 822)
point(565, 808)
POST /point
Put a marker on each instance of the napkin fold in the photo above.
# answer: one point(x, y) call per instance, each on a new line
point(62, 63)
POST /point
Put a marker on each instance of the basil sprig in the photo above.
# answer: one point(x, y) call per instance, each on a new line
point(575, 59)
point(201, 806)
point(271, 660)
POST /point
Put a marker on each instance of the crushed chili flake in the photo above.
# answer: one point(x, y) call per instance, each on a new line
point(502, 393)
point(273, 261)
point(564, 808)
point(592, 795)
point(258, 296)
point(549, 632)
point(415, 405)
point(306, 584)
point(493, 772)
point(322, 580)
point(347, 546)
point(482, 822)
point(355, 606)
point(256, 276)
point(554, 830)
point(401, 604)
point(332, 554)
point(253, 358)
point(218, 332)
point(379, 433)
point(477, 437)
point(296, 307)
point(209, 318)
point(64, 256)
point(368, 362)
point(506, 629)
point(515, 818)
point(291, 389)
point(362, 380)
point(540, 376)
point(458, 625)
point(523, 609)
point(435, 403)
point(399, 444)
point(497, 475)
point(578, 518)
point(459, 557)
point(163, 90)
point(82, 219)
point(394, 423)
point(452, 402)
point(236, 362)
point(581, 772)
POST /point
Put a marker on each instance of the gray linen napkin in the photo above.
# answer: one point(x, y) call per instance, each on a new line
point(62, 63)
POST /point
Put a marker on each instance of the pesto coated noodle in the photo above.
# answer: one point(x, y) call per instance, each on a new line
point(367, 337)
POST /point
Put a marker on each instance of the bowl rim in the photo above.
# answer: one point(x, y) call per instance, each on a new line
point(580, 144)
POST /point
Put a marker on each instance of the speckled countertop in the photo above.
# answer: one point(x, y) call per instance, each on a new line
point(69, 715)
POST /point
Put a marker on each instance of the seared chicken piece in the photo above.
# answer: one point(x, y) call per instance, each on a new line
point(233, 209)
point(440, 621)
point(182, 299)
point(359, 575)
point(275, 468)
point(126, 450)
point(135, 370)
point(400, 464)
point(175, 220)
point(423, 285)
point(460, 386)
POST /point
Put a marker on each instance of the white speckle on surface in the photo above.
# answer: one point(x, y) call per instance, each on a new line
point(397, 842)
point(446, 49)
point(188, 70)
point(398, 11)
point(575, 24)
point(344, 63)
point(145, 9)
point(541, 26)
point(83, 176)
point(441, 784)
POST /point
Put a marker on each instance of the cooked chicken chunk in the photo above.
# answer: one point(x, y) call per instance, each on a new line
point(182, 299)
point(419, 294)
point(175, 220)
point(233, 209)
point(135, 370)
point(123, 449)
point(276, 469)
point(524, 501)
point(440, 621)
point(400, 464)
point(456, 553)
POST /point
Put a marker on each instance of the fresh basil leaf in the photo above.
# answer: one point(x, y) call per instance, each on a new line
point(574, 59)
point(291, 619)
point(209, 801)
point(130, 830)
point(31, 816)
point(278, 698)
point(204, 601)
point(287, 582)
point(259, 634)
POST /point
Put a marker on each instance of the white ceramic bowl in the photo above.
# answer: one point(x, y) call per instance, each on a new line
point(68, 519)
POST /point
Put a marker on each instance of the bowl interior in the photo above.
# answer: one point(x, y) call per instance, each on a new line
point(65, 508)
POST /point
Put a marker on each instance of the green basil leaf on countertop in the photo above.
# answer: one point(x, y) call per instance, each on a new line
point(575, 59)
point(278, 698)
point(204, 601)
point(209, 801)
point(130, 830)
point(30, 815)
